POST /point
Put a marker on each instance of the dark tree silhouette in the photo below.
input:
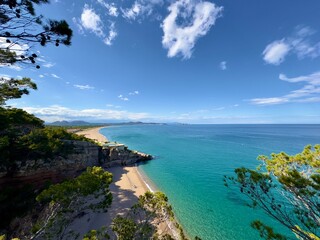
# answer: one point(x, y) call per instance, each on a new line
point(21, 29)
point(14, 88)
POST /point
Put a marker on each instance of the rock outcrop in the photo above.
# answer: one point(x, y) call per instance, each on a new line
point(37, 172)
point(123, 156)
point(84, 154)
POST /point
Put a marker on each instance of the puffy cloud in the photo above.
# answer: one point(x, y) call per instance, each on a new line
point(223, 65)
point(276, 52)
point(299, 44)
point(91, 21)
point(83, 87)
point(187, 21)
point(60, 112)
point(308, 93)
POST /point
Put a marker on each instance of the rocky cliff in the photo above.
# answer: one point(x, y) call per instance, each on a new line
point(37, 172)
point(84, 154)
point(123, 157)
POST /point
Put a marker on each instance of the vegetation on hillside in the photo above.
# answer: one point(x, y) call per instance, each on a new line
point(287, 188)
point(67, 201)
point(24, 137)
point(145, 216)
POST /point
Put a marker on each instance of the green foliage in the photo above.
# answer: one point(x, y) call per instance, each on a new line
point(125, 228)
point(48, 142)
point(14, 124)
point(141, 222)
point(3, 237)
point(14, 88)
point(21, 28)
point(23, 137)
point(287, 188)
point(89, 182)
point(67, 200)
point(97, 234)
point(267, 232)
point(17, 122)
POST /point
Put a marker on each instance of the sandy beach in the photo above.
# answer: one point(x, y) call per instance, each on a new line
point(126, 187)
point(94, 134)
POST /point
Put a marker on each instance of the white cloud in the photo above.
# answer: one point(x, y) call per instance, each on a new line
point(133, 12)
point(112, 106)
point(218, 109)
point(197, 19)
point(91, 21)
point(275, 52)
point(140, 8)
point(18, 49)
point(112, 9)
point(308, 93)
point(14, 67)
point(269, 101)
point(4, 77)
point(65, 113)
point(134, 93)
point(55, 76)
point(123, 98)
point(78, 24)
point(83, 87)
point(313, 78)
point(40, 59)
point(223, 65)
point(299, 43)
point(41, 76)
point(48, 65)
point(112, 34)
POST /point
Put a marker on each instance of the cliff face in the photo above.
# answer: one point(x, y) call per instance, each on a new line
point(85, 154)
point(123, 157)
point(37, 172)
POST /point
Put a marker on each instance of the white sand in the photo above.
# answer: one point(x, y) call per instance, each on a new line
point(94, 134)
point(126, 187)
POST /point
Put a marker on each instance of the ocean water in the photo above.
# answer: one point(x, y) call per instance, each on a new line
point(191, 161)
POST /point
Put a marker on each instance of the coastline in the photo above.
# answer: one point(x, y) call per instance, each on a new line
point(93, 134)
point(127, 185)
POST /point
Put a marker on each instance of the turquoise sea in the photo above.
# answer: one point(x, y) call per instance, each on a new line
point(191, 161)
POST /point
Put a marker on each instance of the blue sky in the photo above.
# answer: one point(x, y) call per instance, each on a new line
point(185, 61)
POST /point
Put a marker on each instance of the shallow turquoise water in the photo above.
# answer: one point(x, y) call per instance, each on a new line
point(192, 159)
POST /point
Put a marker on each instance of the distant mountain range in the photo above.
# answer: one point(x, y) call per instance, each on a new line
point(71, 123)
point(84, 123)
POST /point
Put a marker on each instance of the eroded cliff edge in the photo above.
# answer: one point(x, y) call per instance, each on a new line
point(83, 155)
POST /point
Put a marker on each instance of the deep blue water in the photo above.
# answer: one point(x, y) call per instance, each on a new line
point(191, 161)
